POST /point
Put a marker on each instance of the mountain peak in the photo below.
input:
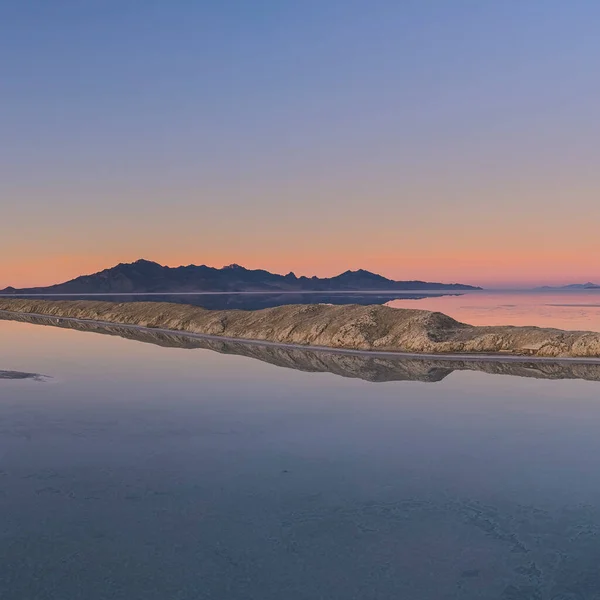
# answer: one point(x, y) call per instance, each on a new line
point(143, 261)
point(140, 262)
point(362, 273)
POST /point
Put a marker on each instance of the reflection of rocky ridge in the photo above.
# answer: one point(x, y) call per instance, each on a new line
point(19, 375)
point(369, 368)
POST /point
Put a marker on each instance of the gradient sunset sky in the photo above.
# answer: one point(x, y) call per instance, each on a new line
point(446, 140)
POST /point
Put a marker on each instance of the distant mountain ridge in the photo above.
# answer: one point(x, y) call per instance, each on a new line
point(573, 286)
point(144, 276)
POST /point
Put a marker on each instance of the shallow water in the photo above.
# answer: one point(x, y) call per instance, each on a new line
point(249, 300)
point(579, 310)
point(138, 471)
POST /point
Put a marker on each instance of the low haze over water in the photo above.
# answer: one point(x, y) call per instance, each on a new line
point(133, 471)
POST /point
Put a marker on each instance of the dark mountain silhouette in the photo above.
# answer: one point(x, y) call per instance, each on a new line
point(144, 276)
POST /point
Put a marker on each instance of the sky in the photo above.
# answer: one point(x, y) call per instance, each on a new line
point(421, 139)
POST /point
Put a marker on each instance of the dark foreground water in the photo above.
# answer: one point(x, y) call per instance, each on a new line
point(136, 471)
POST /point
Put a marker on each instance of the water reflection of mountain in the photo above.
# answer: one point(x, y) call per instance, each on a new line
point(255, 301)
point(369, 368)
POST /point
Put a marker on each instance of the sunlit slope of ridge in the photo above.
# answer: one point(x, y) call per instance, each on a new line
point(144, 276)
point(350, 326)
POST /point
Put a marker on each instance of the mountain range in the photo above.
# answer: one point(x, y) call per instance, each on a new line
point(573, 286)
point(144, 276)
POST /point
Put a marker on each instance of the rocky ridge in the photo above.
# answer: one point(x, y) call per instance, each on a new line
point(350, 327)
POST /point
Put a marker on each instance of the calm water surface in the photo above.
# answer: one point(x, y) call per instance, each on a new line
point(248, 300)
point(578, 310)
point(134, 471)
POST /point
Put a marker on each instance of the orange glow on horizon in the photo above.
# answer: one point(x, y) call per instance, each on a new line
point(492, 270)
